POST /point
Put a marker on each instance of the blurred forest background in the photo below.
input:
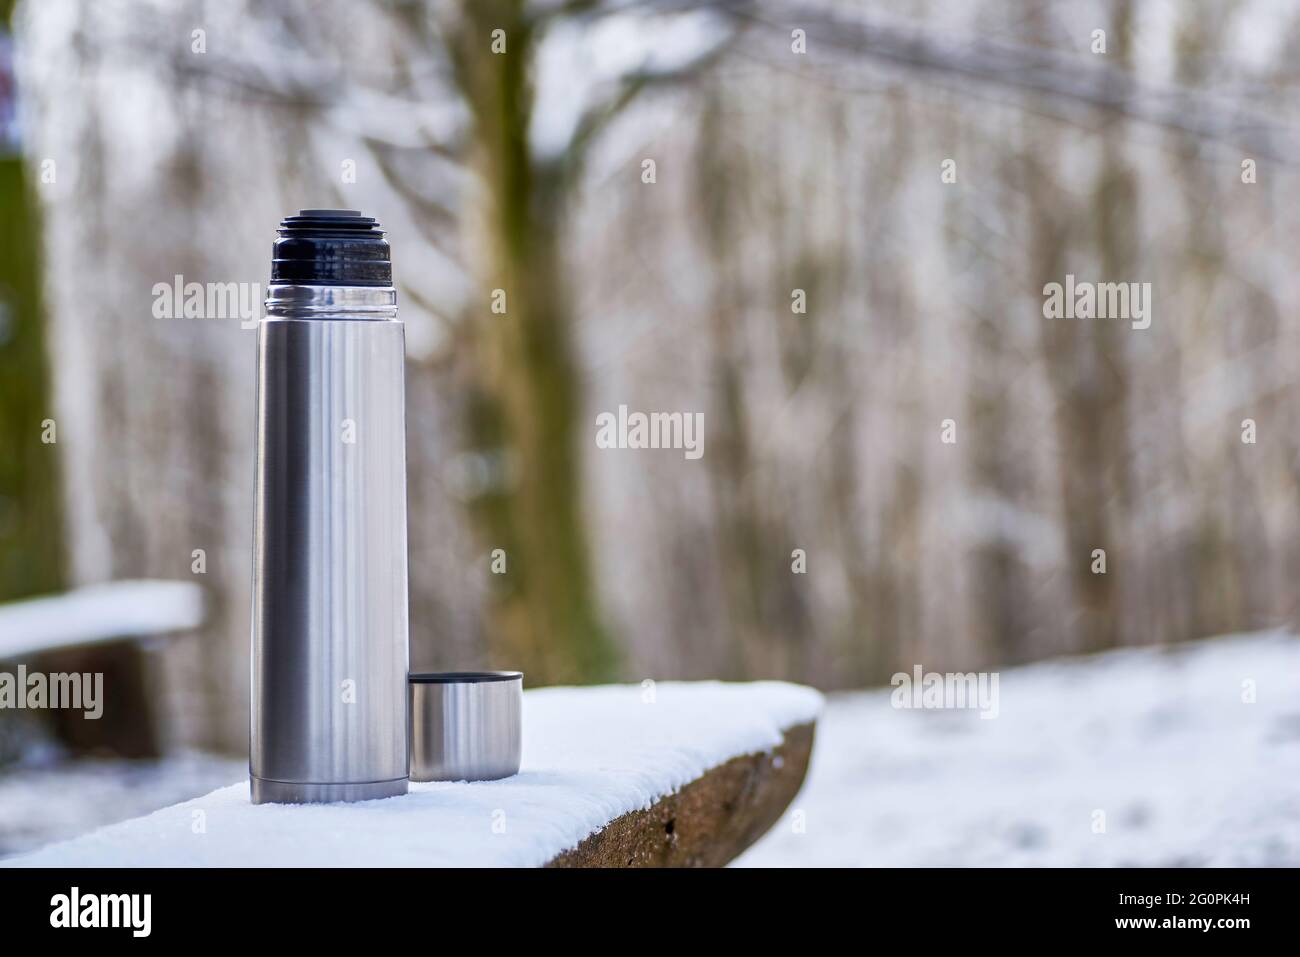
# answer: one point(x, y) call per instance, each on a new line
point(796, 146)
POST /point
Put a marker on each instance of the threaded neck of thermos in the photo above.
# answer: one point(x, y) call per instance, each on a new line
point(331, 247)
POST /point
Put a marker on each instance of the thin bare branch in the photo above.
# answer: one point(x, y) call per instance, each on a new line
point(961, 60)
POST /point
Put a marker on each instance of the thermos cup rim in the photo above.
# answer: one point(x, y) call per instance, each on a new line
point(454, 677)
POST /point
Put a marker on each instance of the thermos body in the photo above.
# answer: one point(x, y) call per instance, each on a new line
point(329, 630)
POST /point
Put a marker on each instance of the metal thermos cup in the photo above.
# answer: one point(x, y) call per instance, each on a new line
point(466, 725)
point(329, 657)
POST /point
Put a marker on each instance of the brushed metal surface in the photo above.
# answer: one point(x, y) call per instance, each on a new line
point(466, 726)
point(329, 630)
point(290, 301)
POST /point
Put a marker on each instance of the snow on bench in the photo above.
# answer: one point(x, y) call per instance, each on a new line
point(677, 773)
point(103, 629)
point(96, 614)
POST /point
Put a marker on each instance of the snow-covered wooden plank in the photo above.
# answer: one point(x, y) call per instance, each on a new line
point(593, 757)
point(98, 613)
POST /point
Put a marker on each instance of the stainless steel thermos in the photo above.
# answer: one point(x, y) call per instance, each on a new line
point(329, 631)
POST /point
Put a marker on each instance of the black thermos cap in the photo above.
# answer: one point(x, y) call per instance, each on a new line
point(331, 247)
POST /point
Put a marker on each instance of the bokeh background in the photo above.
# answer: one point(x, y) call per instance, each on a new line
point(796, 146)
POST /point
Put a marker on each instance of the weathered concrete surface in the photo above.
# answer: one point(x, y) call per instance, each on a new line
point(709, 821)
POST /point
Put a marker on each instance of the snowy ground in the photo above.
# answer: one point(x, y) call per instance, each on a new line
point(1162, 743)
point(39, 805)
point(590, 755)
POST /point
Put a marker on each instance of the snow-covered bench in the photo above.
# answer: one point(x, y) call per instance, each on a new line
point(100, 628)
point(97, 614)
point(673, 774)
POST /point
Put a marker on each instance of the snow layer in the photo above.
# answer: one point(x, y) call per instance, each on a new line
point(1165, 743)
point(590, 755)
point(1167, 746)
point(107, 612)
point(49, 801)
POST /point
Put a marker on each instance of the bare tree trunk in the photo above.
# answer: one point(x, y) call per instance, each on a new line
point(523, 416)
point(31, 513)
point(1088, 372)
